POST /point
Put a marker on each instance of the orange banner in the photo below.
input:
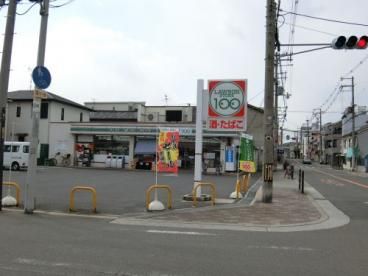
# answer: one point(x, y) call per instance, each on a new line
point(168, 151)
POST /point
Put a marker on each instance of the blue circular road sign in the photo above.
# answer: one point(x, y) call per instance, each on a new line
point(41, 77)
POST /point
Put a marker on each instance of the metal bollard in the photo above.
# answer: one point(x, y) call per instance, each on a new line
point(302, 182)
point(300, 178)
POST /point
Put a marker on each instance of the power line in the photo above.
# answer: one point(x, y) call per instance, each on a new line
point(325, 19)
point(61, 5)
point(310, 29)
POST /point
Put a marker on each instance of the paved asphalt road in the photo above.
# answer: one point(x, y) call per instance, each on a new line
point(118, 191)
point(41, 244)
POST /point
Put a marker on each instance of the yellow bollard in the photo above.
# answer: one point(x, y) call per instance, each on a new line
point(17, 190)
point(199, 184)
point(83, 188)
point(153, 187)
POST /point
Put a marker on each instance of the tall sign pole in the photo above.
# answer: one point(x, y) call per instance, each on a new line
point(198, 138)
point(32, 163)
point(4, 80)
point(268, 103)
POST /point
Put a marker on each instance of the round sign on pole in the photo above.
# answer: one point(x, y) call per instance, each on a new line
point(41, 77)
point(226, 99)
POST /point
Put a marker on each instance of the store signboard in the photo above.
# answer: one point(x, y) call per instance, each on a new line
point(230, 158)
point(168, 151)
point(246, 160)
point(227, 105)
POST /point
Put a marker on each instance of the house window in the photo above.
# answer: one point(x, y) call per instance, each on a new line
point(81, 117)
point(62, 114)
point(18, 111)
point(44, 110)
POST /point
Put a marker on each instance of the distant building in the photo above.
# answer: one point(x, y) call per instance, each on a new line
point(331, 134)
point(57, 113)
point(361, 131)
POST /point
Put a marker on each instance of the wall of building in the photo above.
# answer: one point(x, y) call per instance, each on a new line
point(118, 106)
point(60, 139)
point(158, 113)
point(71, 113)
point(22, 124)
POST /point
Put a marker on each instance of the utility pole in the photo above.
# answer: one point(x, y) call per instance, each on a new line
point(4, 80)
point(308, 139)
point(32, 163)
point(276, 127)
point(268, 102)
point(353, 136)
point(320, 136)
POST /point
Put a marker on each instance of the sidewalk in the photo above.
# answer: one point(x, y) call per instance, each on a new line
point(289, 211)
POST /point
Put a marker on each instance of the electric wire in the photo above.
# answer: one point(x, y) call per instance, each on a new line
point(324, 19)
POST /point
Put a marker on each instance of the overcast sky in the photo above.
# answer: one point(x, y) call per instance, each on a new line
point(140, 50)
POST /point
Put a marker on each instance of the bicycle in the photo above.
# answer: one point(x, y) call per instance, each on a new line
point(63, 159)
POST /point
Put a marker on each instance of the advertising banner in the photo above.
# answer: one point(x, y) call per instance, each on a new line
point(246, 160)
point(168, 151)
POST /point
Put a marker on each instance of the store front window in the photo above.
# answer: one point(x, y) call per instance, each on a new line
point(111, 144)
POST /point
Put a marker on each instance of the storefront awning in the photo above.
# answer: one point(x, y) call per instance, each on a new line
point(145, 147)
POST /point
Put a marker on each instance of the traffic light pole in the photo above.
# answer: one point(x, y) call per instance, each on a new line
point(4, 80)
point(32, 163)
point(268, 103)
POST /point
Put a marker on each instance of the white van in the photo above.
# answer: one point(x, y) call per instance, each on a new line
point(16, 155)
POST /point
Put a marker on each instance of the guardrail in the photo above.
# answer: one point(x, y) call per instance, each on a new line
point(83, 188)
point(153, 187)
point(17, 190)
point(199, 184)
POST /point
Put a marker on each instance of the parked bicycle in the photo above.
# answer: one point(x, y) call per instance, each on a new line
point(63, 160)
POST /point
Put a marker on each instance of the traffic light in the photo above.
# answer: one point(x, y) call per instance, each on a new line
point(352, 42)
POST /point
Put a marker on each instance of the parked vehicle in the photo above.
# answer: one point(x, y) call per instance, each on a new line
point(307, 161)
point(16, 155)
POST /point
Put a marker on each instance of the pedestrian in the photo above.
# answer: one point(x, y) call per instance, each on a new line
point(292, 171)
point(287, 172)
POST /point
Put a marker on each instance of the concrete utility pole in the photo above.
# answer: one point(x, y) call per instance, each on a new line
point(320, 136)
point(276, 127)
point(268, 102)
point(307, 150)
point(32, 163)
point(353, 157)
point(353, 136)
point(4, 80)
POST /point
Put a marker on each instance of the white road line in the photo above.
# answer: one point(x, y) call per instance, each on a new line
point(275, 247)
point(40, 263)
point(180, 233)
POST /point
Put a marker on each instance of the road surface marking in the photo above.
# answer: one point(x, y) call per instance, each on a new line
point(39, 262)
point(180, 233)
point(275, 247)
point(343, 179)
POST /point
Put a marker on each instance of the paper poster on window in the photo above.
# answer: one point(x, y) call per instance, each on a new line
point(168, 151)
point(246, 160)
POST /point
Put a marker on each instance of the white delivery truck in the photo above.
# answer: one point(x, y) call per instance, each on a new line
point(16, 155)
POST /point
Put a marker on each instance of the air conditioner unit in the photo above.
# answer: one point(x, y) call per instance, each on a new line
point(150, 117)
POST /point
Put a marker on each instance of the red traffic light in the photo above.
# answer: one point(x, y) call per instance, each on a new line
point(351, 42)
point(362, 42)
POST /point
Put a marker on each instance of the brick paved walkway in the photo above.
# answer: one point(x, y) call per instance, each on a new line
point(288, 207)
